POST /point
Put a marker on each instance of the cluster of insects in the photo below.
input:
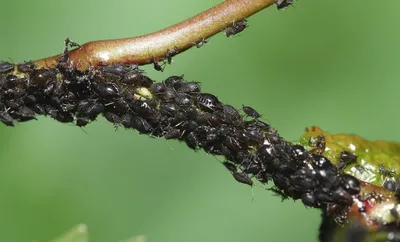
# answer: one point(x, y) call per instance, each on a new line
point(376, 165)
point(358, 157)
point(174, 109)
point(178, 109)
point(339, 178)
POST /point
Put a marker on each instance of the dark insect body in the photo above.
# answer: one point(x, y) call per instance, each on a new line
point(192, 141)
point(89, 108)
point(350, 184)
point(71, 43)
point(6, 119)
point(249, 111)
point(189, 87)
point(157, 88)
point(6, 67)
point(183, 100)
point(62, 64)
point(254, 135)
point(346, 158)
point(82, 122)
point(230, 166)
point(319, 143)
point(41, 76)
point(342, 197)
point(174, 82)
point(26, 67)
point(280, 4)
point(170, 54)
point(177, 109)
point(308, 199)
point(141, 125)
point(108, 91)
point(230, 113)
point(169, 109)
point(242, 178)
point(385, 171)
point(11, 81)
point(390, 185)
point(236, 28)
point(207, 102)
point(202, 42)
point(112, 117)
point(25, 114)
point(173, 134)
point(115, 69)
point(157, 66)
point(136, 77)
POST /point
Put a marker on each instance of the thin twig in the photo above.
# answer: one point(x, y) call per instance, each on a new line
point(155, 46)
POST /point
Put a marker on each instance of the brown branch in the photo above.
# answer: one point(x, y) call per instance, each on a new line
point(155, 46)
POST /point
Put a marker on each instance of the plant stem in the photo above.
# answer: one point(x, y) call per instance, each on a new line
point(155, 46)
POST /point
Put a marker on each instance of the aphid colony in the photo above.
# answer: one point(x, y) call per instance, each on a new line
point(175, 109)
point(374, 162)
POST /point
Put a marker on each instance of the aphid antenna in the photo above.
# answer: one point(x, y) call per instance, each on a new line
point(11, 60)
point(253, 194)
point(169, 146)
point(81, 128)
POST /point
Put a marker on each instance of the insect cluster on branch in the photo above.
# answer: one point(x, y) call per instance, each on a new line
point(174, 109)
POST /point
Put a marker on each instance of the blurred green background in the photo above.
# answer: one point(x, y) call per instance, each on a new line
point(329, 63)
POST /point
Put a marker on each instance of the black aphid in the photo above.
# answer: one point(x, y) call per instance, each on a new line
point(249, 111)
point(115, 69)
point(236, 28)
point(390, 185)
point(207, 102)
point(136, 77)
point(26, 67)
point(202, 42)
point(242, 178)
point(189, 87)
point(157, 66)
point(108, 91)
point(6, 67)
point(82, 122)
point(174, 81)
point(170, 54)
point(280, 4)
point(41, 76)
point(6, 119)
point(230, 166)
point(385, 171)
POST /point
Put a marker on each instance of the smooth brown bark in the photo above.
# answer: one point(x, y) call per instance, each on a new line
point(155, 46)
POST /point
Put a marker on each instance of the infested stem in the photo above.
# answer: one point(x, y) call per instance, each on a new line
point(69, 90)
point(155, 46)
